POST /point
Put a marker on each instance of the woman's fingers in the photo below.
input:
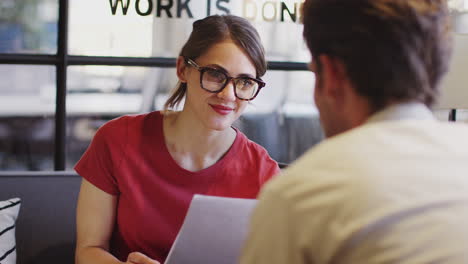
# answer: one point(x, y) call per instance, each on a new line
point(140, 258)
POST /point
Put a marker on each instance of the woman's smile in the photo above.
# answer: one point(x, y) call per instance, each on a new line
point(221, 109)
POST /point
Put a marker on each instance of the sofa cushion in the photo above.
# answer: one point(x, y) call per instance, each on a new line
point(45, 229)
point(9, 210)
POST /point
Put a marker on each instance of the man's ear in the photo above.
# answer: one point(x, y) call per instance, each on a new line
point(181, 67)
point(333, 77)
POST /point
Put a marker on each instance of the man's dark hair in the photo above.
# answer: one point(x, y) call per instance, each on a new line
point(393, 50)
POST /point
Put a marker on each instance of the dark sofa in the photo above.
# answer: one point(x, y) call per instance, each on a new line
point(45, 230)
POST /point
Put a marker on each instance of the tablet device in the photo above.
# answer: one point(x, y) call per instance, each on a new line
point(213, 231)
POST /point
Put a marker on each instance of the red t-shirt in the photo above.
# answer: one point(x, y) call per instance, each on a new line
point(128, 157)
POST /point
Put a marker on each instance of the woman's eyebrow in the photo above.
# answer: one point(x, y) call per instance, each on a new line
point(216, 66)
point(221, 68)
point(246, 75)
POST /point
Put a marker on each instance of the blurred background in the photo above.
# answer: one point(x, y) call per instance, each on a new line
point(283, 118)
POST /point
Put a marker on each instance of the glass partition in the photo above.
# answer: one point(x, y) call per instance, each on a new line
point(153, 28)
point(28, 26)
point(459, 10)
point(27, 107)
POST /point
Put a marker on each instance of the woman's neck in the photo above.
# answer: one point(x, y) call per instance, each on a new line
point(193, 146)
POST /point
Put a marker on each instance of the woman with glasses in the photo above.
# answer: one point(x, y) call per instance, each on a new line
point(141, 171)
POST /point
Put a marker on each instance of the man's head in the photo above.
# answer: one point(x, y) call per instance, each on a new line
point(385, 51)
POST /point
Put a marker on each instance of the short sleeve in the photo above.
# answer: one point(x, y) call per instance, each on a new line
point(100, 162)
point(267, 167)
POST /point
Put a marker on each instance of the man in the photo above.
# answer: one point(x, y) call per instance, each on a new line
point(390, 183)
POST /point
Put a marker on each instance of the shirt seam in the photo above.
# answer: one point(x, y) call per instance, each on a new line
point(119, 164)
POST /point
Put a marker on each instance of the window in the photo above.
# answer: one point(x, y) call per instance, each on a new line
point(454, 95)
point(459, 9)
point(28, 26)
point(68, 66)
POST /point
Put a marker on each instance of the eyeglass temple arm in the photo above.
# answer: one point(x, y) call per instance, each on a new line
point(192, 63)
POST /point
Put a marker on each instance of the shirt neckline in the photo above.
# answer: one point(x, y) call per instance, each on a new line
point(402, 111)
point(208, 172)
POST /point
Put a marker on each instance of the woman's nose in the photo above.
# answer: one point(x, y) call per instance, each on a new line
point(228, 93)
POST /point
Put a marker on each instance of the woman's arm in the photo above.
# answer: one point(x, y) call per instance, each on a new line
point(95, 219)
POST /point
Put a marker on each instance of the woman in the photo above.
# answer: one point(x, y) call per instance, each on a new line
point(141, 172)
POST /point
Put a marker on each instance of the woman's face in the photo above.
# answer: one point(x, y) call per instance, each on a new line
point(217, 111)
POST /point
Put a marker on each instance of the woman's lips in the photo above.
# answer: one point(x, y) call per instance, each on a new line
point(221, 109)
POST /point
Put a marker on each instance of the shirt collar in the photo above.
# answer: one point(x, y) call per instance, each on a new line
point(402, 111)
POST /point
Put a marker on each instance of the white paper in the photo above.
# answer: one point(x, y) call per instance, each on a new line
point(213, 231)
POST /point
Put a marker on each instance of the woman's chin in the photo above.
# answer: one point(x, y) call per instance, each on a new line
point(220, 125)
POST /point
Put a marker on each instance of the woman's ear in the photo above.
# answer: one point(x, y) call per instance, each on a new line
point(181, 69)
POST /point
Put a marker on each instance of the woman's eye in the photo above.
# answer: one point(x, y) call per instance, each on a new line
point(216, 76)
point(246, 82)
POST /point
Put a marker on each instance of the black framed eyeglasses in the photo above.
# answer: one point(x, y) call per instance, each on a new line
point(214, 81)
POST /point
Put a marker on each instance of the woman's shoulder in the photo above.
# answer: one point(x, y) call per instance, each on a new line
point(131, 119)
point(120, 125)
point(252, 148)
point(254, 156)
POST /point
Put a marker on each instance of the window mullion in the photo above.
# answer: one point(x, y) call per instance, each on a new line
point(60, 110)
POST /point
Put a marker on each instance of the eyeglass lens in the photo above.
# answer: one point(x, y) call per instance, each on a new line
point(214, 81)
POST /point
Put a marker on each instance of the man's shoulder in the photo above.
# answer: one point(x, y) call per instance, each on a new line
point(351, 158)
point(379, 137)
point(321, 168)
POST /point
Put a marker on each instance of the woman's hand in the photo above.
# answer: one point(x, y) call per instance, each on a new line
point(139, 258)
